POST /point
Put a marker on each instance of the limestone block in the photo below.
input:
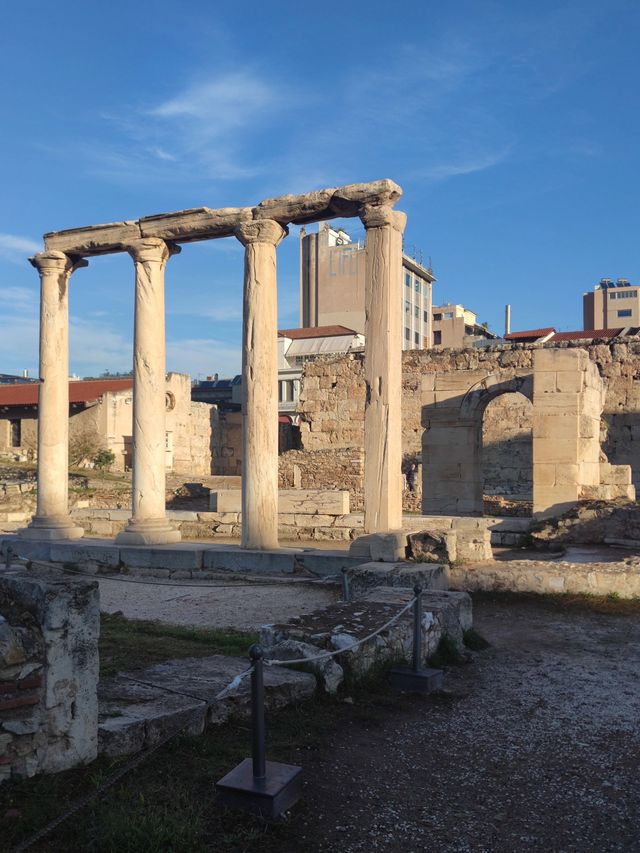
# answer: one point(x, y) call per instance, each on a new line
point(387, 547)
point(94, 239)
point(300, 501)
point(550, 359)
point(615, 474)
point(328, 671)
point(545, 382)
point(200, 223)
point(570, 381)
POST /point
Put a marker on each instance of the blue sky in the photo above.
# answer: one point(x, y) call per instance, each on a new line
point(512, 126)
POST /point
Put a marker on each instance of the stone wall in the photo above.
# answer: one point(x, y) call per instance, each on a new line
point(332, 404)
point(49, 629)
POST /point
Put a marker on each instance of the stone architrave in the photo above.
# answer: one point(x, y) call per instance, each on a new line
point(52, 520)
point(383, 368)
point(259, 384)
point(148, 524)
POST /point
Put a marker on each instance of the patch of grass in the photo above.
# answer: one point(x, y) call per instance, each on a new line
point(611, 604)
point(475, 641)
point(128, 644)
point(168, 803)
point(447, 653)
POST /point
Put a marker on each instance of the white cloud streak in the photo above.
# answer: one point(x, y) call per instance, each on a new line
point(16, 249)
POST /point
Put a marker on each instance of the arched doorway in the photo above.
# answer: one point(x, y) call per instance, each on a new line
point(507, 455)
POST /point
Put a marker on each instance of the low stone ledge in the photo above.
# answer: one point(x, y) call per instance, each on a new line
point(622, 579)
point(139, 707)
point(341, 625)
point(428, 576)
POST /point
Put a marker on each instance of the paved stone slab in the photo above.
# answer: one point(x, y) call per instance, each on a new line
point(183, 557)
point(205, 678)
point(260, 562)
point(326, 563)
point(82, 551)
point(133, 715)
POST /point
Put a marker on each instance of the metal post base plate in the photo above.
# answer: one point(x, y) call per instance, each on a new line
point(270, 797)
point(420, 681)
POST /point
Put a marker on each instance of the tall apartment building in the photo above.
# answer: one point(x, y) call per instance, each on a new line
point(332, 273)
point(611, 305)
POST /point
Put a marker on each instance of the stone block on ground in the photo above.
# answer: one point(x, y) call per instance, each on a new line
point(233, 559)
point(430, 546)
point(388, 547)
point(402, 574)
point(329, 673)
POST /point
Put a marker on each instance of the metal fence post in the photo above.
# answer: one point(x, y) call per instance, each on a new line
point(417, 629)
point(416, 678)
point(258, 729)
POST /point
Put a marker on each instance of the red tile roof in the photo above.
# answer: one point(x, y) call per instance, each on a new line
point(316, 332)
point(529, 333)
point(80, 391)
point(586, 334)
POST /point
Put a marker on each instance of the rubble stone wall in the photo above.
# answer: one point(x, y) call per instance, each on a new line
point(49, 630)
point(333, 392)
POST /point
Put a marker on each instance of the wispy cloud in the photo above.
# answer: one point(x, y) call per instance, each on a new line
point(203, 356)
point(16, 249)
point(19, 300)
point(465, 166)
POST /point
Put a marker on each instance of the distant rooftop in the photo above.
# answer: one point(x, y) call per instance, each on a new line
point(316, 332)
point(80, 391)
point(530, 334)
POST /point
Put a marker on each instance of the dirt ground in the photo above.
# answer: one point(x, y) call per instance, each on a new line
point(535, 747)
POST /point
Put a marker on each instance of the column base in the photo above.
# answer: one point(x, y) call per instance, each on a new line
point(148, 532)
point(51, 529)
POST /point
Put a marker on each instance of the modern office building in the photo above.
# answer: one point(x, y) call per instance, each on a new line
point(611, 305)
point(332, 273)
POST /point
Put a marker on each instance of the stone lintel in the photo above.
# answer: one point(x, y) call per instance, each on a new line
point(93, 239)
point(204, 223)
point(198, 223)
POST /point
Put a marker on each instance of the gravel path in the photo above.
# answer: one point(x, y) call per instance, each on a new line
point(243, 607)
point(535, 748)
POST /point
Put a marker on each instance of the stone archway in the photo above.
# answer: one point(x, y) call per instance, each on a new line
point(567, 395)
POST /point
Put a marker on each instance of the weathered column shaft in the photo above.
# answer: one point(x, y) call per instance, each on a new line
point(52, 520)
point(260, 384)
point(383, 369)
point(149, 525)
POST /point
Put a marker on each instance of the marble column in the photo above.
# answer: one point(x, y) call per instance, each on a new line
point(260, 384)
point(148, 524)
point(383, 368)
point(52, 520)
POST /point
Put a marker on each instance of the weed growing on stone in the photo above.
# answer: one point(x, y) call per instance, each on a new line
point(475, 641)
point(447, 653)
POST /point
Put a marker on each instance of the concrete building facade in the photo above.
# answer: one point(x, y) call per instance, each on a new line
point(332, 286)
point(455, 326)
point(611, 304)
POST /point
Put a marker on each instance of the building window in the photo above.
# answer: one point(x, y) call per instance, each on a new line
point(416, 338)
point(407, 307)
point(16, 433)
point(437, 339)
point(448, 315)
point(407, 279)
point(625, 313)
point(407, 334)
point(437, 317)
point(426, 316)
point(416, 312)
point(417, 285)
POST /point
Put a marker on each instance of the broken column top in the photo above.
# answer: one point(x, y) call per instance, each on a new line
point(204, 223)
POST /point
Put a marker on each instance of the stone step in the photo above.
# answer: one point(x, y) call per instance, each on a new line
point(140, 707)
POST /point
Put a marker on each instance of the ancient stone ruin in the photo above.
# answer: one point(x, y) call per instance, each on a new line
point(151, 241)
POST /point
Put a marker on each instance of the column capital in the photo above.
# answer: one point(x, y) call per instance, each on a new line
point(57, 262)
point(379, 215)
point(260, 231)
point(152, 249)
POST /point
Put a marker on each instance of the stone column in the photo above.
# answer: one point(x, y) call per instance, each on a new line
point(52, 520)
point(383, 369)
point(260, 384)
point(148, 524)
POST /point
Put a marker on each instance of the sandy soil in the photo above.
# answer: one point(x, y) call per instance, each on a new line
point(241, 607)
